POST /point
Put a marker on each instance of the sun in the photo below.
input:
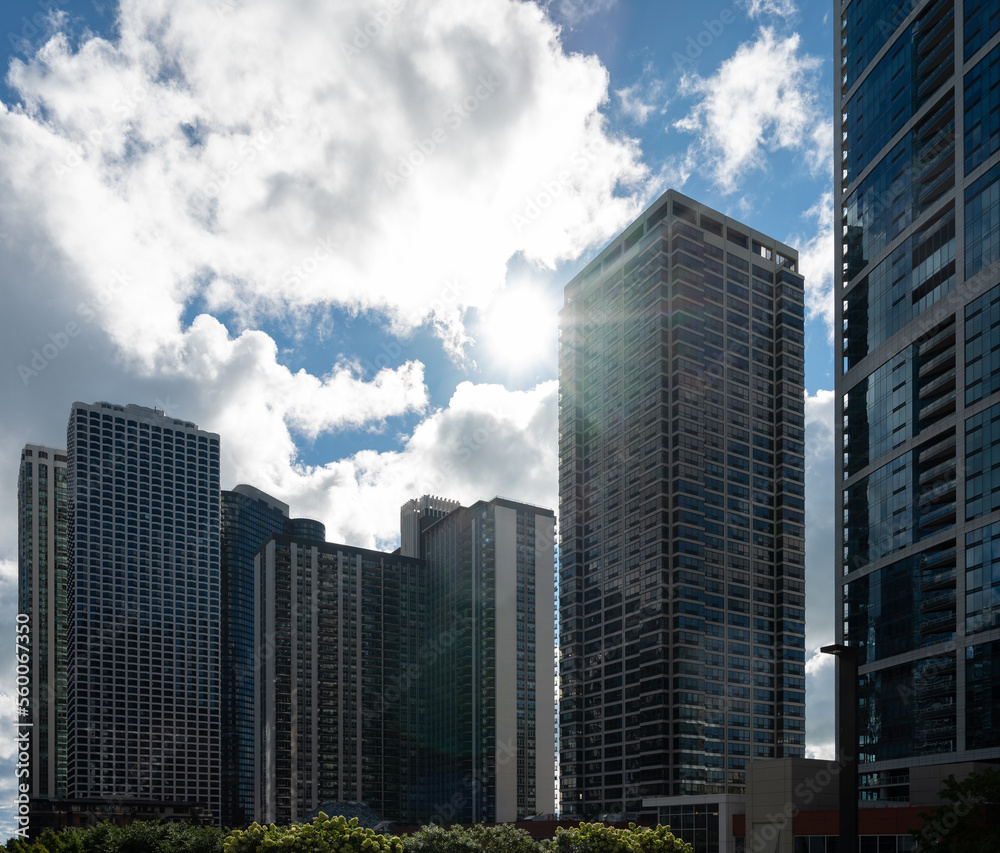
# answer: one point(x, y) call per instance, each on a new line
point(519, 327)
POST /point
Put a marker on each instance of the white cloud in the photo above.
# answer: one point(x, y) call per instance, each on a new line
point(820, 586)
point(821, 698)
point(816, 263)
point(376, 162)
point(488, 441)
point(780, 8)
point(762, 99)
point(644, 98)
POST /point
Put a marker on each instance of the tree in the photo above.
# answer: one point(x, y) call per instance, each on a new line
point(323, 835)
point(599, 838)
point(970, 823)
point(480, 838)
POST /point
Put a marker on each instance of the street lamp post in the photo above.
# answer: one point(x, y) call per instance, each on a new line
point(847, 713)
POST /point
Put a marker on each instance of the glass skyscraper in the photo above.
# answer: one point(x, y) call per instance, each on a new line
point(249, 516)
point(41, 541)
point(143, 607)
point(681, 484)
point(918, 382)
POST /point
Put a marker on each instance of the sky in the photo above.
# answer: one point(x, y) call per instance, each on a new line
point(337, 233)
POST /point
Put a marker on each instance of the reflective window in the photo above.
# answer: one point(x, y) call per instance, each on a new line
point(982, 110)
point(982, 449)
point(982, 696)
point(903, 606)
point(982, 18)
point(879, 209)
point(982, 579)
point(868, 24)
point(879, 413)
point(982, 346)
point(982, 222)
point(907, 710)
point(878, 513)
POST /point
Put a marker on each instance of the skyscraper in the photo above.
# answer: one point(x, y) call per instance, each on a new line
point(487, 728)
point(337, 637)
point(144, 607)
point(681, 486)
point(412, 685)
point(41, 541)
point(917, 299)
point(249, 516)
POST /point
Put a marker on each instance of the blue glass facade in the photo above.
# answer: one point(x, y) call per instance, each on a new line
point(982, 222)
point(982, 703)
point(982, 346)
point(681, 512)
point(982, 116)
point(917, 273)
point(982, 18)
point(249, 517)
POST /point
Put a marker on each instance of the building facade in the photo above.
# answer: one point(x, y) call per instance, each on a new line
point(486, 676)
point(337, 632)
point(681, 486)
point(248, 517)
point(143, 703)
point(416, 515)
point(41, 568)
point(918, 298)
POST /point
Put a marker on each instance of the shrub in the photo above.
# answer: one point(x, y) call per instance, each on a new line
point(323, 835)
point(500, 838)
point(138, 837)
point(599, 838)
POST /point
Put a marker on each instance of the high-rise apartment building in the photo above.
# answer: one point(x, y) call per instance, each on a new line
point(418, 514)
point(681, 484)
point(42, 544)
point(485, 682)
point(143, 607)
point(918, 382)
point(337, 633)
point(249, 516)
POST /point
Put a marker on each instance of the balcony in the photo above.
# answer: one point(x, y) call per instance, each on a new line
point(942, 361)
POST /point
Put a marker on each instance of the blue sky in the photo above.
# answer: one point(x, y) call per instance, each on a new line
point(338, 233)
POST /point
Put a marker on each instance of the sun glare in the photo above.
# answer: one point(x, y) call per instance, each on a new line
point(519, 328)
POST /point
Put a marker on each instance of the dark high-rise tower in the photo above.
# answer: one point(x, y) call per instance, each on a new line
point(337, 633)
point(681, 486)
point(144, 607)
point(488, 725)
point(918, 376)
point(41, 541)
point(249, 516)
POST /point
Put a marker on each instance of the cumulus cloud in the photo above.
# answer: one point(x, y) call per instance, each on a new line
point(762, 99)
point(821, 695)
point(487, 441)
point(184, 204)
point(820, 582)
point(378, 159)
point(816, 262)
